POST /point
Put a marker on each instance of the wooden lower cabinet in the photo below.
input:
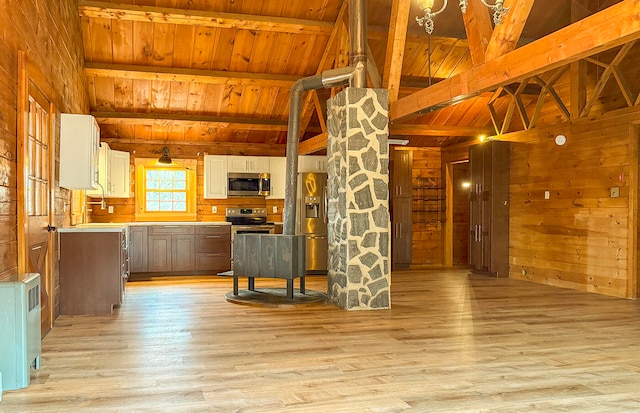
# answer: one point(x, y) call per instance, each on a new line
point(138, 250)
point(93, 271)
point(181, 249)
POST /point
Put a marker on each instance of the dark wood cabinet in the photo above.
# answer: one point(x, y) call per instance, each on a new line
point(489, 208)
point(159, 253)
point(138, 248)
point(401, 167)
point(93, 271)
point(213, 248)
point(181, 249)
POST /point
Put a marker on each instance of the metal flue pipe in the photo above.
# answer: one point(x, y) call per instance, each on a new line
point(358, 41)
point(327, 79)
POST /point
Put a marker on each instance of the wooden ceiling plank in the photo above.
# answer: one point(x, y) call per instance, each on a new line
point(477, 24)
point(97, 9)
point(148, 119)
point(216, 77)
point(395, 47)
point(505, 36)
point(571, 43)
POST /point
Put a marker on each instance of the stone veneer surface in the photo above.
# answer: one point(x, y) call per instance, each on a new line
point(358, 211)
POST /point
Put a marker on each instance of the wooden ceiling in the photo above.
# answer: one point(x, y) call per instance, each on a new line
point(216, 74)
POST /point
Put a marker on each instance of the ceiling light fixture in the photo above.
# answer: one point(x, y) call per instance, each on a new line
point(165, 159)
point(499, 11)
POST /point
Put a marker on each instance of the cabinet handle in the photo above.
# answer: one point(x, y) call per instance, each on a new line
point(172, 226)
point(216, 255)
point(214, 236)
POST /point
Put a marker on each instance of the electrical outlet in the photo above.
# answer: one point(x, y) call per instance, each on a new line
point(547, 194)
point(614, 192)
point(110, 209)
point(214, 209)
point(275, 209)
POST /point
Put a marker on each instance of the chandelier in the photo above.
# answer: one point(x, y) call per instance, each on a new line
point(499, 11)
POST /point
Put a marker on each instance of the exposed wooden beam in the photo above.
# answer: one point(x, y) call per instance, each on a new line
point(581, 39)
point(169, 74)
point(478, 27)
point(167, 119)
point(395, 47)
point(506, 35)
point(128, 12)
point(145, 148)
point(372, 69)
point(434, 130)
point(326, 61)
point(313, 145)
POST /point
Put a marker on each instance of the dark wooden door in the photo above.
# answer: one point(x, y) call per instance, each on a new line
point(476, 208)
point(138, 250)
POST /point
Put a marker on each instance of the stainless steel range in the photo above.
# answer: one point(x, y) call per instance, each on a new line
point(247, 221)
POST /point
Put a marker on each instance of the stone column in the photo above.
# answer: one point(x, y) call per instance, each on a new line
point(358, 199)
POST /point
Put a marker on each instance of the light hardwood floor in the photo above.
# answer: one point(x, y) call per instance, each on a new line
point(453, 342)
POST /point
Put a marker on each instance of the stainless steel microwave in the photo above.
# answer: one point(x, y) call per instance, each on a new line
point(248, 184)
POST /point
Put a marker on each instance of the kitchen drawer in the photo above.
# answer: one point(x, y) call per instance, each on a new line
point(213, 243)
point(214, 229)
point(171, 229)
point(214, 261)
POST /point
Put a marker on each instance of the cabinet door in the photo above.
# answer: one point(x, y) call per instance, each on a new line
point(104, 164)
point(278, 171)
point(138, 250)
point(215, 177)
point(401, 246)
point(183, 253)
point(159, 253)
point(477, 210)
point(256, 164)
point(308, 163)
point(79, 140)
point(119, 174)
point(402, 173)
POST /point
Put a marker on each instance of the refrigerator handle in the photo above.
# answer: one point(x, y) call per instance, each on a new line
point(325, 202)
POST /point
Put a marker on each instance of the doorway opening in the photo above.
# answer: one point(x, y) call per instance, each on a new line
point(457, 222)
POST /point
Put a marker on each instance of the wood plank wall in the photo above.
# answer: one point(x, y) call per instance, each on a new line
point(50, 33)
point(428, 207)
point(580, 237)
point(124, 208)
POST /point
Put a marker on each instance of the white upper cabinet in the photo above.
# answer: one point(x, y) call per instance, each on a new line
point(308, 163)
point(256, 164)
point(120, 174)
point(114, 173)
point(278, 171)
point(215, 177)
point(104, 160)
point(79, 143)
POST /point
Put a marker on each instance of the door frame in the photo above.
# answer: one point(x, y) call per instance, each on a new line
point(30, 76)
point(447, 250)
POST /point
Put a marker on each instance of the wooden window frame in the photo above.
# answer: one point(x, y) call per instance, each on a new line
point(189, 166)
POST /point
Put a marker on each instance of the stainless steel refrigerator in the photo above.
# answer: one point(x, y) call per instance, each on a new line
point(312, 219)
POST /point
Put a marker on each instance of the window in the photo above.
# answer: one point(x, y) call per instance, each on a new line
point(165, 192)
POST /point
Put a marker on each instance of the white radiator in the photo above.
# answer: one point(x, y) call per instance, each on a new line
point(19, 331)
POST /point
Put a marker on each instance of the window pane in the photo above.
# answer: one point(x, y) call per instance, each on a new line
point(153, 206)
point(165, 175)
point(180, 196)
point(180, 176)
point(165, 184)
point(180, 206)
point(152, 196)
point(180, 185)
point(166, 206)
point(166, 196)
point(152, 184)
point(152, 174)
